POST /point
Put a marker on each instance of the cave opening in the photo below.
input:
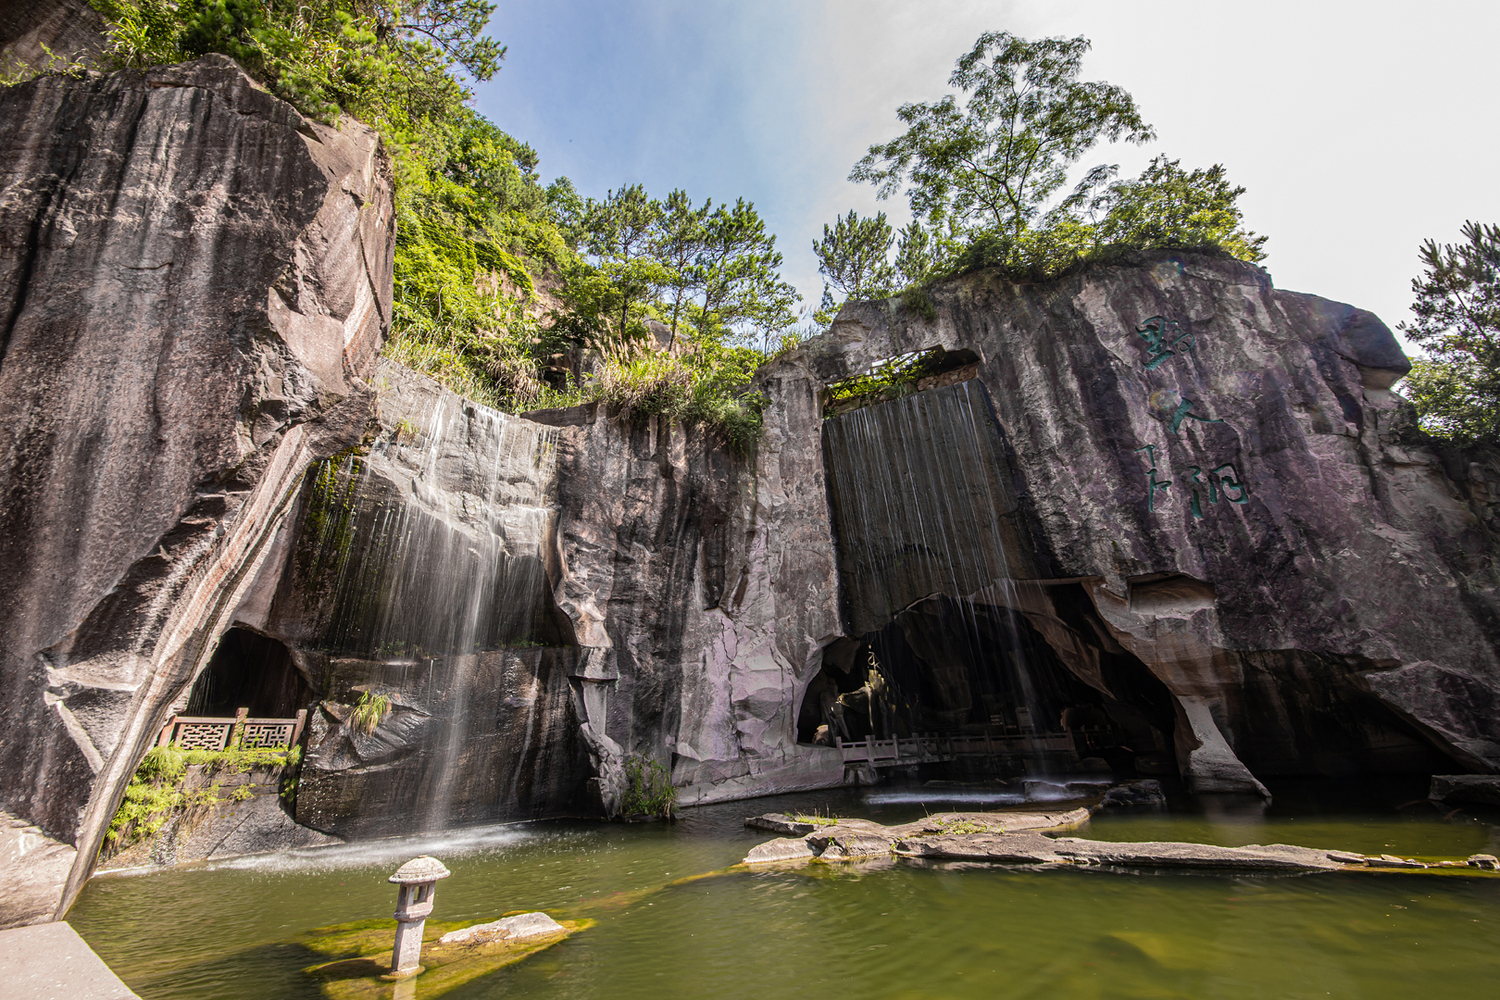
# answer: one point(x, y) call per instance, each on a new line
point(252, 671)
point(983, 682)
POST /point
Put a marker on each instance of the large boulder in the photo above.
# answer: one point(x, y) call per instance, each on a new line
point(194, 284)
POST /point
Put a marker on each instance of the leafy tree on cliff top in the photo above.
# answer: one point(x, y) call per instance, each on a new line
point(478, 235)
point(980, 168)
point(1456, 388)
point(993, 161)
point(853, 255)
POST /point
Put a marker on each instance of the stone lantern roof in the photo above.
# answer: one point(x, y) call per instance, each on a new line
point(422, 869)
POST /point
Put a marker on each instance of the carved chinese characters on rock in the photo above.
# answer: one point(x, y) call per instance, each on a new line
point(1165, 339)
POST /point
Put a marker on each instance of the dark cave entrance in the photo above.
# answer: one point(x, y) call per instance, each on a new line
point(253, 671)
point(958, 668)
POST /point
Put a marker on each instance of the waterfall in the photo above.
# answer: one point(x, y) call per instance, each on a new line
point(433, 549)
point(433, 542)
point(923, 520)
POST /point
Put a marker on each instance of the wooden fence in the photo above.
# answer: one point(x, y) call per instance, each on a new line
point(204, 733)
point(926, 747)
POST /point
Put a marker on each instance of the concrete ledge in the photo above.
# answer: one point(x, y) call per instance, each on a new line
point(51, 962)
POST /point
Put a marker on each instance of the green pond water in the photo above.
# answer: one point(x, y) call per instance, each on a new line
point(886, 929)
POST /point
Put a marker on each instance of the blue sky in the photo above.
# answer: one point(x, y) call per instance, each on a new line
point(1358, 128)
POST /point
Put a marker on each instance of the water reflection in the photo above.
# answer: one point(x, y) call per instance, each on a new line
point(888, 930)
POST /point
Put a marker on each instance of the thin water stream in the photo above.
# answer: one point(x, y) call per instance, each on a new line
point(881, 930)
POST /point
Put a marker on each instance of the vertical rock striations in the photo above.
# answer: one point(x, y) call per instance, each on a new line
point(542, 597)
point(1198, 494)
point(1225, 472)
point(194, 283)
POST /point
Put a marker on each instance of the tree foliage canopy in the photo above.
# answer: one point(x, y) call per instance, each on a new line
point(854, 254)
point(992, 161)
point(495, 273)
point(1456, 388)
point(984, 170)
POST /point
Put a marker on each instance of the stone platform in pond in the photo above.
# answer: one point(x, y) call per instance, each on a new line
point(51, 962)
point(1030, 838)
point(357, 956)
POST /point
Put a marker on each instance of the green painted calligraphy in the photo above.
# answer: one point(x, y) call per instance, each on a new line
point(1152, 484)
point(1220, 482)
point(1183, 414)
point(1163, 339)
point(1223, 482)
point(1193, 480)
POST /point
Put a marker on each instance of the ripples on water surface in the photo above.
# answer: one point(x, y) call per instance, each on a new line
point(888, 930)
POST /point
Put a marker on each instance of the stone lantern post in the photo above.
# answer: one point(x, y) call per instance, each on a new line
point(418, 881)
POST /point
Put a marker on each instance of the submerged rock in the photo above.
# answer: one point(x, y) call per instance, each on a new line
point(782, 849)
point(1018, 838)
point(1272, 857)
point(1142, 794)
point(521, 927)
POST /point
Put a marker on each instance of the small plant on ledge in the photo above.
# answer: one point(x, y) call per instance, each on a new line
point(369, 712)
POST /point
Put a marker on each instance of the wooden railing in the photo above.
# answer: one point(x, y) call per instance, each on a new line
point(205, 733)
point(936, 746)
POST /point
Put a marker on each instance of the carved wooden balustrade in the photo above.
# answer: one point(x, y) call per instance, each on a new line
point(937, 747)
point(216, 734)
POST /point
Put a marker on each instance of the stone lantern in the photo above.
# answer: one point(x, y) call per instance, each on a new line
point(418, 881)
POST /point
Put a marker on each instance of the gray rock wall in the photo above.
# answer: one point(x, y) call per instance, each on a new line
point(1322, 606)
point(1225, 469)
point(194, 283)
point(540, 598)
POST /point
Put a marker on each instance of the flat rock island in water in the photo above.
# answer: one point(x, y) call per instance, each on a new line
point(1029, 838)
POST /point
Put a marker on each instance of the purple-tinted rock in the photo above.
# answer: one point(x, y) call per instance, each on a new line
point(195, 285)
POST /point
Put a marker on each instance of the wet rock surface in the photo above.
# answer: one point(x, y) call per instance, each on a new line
point(691, 595)
point(542, 595)
point(198, 282)
point(1479, 788)
point(1247, 509)
point(521, 927)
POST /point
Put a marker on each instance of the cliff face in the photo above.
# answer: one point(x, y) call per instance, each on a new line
point(541, 597)
point(1224, 471)
point(1167, 483)
point(1174, 494)
point(196, 281)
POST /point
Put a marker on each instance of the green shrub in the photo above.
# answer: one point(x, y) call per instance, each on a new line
point(648, 789)
point(646, 386)
point(155, 794)
point(889, 379)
